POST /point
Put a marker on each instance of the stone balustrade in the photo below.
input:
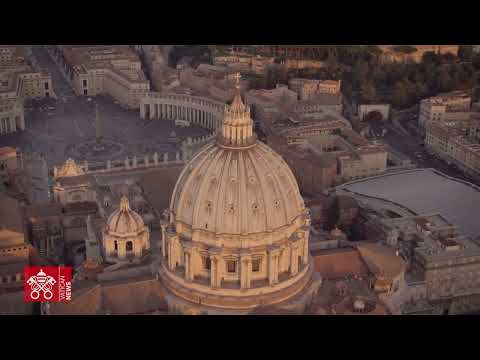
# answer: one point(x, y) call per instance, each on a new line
point(135, 162)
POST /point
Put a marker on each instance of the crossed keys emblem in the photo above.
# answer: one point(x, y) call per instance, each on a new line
point(41, 282)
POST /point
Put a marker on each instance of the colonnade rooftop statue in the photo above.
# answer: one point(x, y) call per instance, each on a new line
point(237, 236)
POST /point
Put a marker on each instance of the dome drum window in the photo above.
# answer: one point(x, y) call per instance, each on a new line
point(206, 263)
point(256, 264)
point(231, 266)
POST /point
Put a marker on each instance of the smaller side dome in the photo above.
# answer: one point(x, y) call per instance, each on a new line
point(125, 221)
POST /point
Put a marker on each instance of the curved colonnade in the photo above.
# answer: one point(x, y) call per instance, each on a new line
point(197, 110)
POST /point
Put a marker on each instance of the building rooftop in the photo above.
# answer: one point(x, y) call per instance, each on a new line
point(381, 260)
point(10, 238)
point(6, 150)
point(10, 213)
point(144, 294)
point(426, 191)
point(338, 263)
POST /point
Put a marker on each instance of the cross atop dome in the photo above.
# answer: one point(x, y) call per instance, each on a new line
point(124, 204)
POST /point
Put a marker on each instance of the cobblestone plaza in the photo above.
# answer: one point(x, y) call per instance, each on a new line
point(61, 129)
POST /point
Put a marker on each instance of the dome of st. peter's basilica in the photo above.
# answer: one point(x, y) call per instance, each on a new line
point(238, 230)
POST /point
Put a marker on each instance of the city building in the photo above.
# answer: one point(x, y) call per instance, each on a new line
point(450, 268)
point(358, 279)
point(432, 192)
point(278, 110)
point(295, 52)
point(440, 255)
point(244, 63)
point(325, 160)
point(14, 255)
point(19, 81)
point(308, 88)
point(457, 142)
point(211, 81)
point(236, 239)
point(444, 108)
point(112, 69)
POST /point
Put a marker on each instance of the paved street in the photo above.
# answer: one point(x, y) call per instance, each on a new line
point(412, 146)
point(60, 85)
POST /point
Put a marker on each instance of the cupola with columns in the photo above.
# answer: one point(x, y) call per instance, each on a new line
point(125, 236)
point(237, 129)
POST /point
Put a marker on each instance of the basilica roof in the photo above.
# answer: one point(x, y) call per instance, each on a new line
point(124, 221)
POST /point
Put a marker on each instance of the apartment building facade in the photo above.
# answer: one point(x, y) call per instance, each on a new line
point(444, 107)
point(458, 143)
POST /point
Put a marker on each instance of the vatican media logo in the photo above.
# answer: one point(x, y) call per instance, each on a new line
point(47, 283)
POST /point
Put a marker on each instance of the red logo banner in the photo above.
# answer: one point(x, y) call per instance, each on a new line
point(47, 283)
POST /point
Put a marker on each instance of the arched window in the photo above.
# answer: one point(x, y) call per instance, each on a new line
point(129, 246)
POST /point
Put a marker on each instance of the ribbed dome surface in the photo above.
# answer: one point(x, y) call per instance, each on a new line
point(237, 191)
point(124, 221)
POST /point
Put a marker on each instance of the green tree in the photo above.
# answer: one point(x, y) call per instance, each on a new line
point(333, 216)
point(431, 58)
point(258, 83)
point(380, 77)
point(276, 74)
point(368, 91)
point(347, 88)
point(465, 52)
point(421, 89)
point(444, 80)
point(448, 58)
point(400, 95)
point(332, 64)
point(360, 72)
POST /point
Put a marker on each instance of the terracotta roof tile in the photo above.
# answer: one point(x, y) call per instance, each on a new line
point(332, 264)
